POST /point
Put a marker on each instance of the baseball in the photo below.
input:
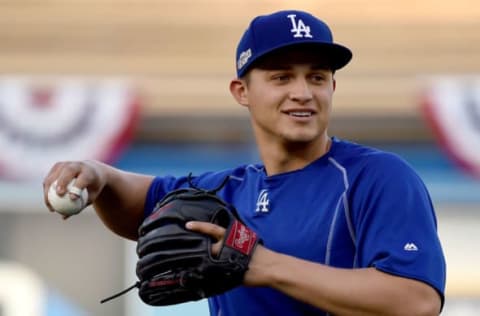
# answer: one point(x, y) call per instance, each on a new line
point(64, 204)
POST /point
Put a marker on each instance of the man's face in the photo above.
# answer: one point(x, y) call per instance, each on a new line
point(289, 96)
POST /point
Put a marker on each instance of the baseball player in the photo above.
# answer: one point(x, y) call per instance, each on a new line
point(346, 229)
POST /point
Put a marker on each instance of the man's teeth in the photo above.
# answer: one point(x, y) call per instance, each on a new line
point(300, 114)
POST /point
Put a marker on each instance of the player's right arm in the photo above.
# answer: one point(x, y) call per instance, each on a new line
point(118, 197)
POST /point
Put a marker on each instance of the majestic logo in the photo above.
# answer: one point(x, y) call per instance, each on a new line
point(298, 27)
point(263, 202)
point(410, 246)
point(244, 57)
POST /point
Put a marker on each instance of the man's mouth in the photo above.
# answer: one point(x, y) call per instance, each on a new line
point(300, 113)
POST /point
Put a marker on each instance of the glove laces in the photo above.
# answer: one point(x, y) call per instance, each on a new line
point(137, 284)
point(214, 191)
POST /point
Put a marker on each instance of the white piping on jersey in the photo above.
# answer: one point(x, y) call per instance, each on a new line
point(330, 232)
point(343, 170)
point(345, 200)
point(248, 167)
point(346, 208)
point(236, 178)
point(254, 168)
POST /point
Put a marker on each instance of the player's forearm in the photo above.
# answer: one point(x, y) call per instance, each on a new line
point(120, 204)
point(342, 291)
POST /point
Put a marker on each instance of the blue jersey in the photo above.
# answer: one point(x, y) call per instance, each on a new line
point(354, 207)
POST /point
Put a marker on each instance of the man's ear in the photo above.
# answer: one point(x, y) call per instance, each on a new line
point(239, 90)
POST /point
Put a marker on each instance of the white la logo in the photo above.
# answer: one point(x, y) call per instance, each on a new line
point(262, 202)
point(299, 27)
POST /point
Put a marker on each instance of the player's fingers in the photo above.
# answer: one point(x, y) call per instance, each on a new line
point(217, 232)
point(52, 176)
point(90, 179)
point(45, 199)
point(60, 175)
point(69, 171)
point(49, 180)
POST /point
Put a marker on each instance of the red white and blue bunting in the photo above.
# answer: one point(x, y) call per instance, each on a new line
point(49, 119)
point(451, 105)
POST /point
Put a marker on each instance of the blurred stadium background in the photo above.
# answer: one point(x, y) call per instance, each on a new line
point(144, 85)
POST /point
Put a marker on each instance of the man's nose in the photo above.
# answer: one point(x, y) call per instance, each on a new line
point(301, 91)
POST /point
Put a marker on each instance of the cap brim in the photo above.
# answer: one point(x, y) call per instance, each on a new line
point(335, 55)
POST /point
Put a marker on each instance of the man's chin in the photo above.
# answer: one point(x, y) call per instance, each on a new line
point(300, 140)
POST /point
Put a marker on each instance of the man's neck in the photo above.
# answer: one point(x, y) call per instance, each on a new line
point(281, 158)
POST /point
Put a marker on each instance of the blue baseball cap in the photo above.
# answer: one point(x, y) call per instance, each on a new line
point(268, 33)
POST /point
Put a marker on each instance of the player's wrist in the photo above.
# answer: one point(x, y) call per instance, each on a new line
point(260, 270)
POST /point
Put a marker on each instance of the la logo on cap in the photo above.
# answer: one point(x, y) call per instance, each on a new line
point(298, 27)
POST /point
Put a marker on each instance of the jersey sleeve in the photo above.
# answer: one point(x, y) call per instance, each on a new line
point(160, 186)
point(396, 227)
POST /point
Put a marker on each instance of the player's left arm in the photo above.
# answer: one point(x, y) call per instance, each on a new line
point(365, 291)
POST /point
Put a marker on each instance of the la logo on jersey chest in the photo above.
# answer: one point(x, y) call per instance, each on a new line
point(263, 202)
point(299, 29)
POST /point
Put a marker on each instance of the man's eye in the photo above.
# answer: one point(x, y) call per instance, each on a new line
point(281, 78)
point(317, 78)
